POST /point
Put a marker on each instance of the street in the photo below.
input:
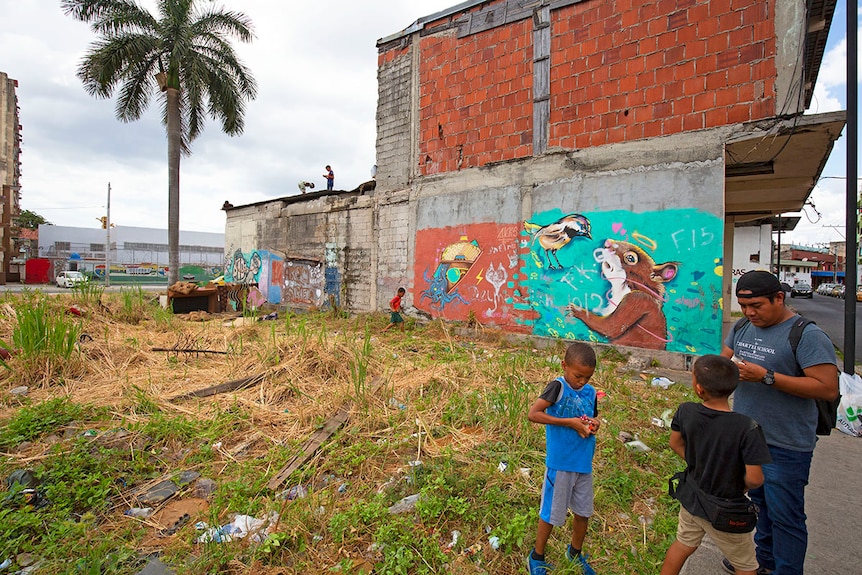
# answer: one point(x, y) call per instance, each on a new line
point(828, 312)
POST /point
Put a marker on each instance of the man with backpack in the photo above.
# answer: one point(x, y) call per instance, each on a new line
point(779, 383)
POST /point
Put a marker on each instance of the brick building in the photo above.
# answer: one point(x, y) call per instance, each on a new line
point(569, 168)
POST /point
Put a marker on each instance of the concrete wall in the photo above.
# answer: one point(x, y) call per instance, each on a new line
point(749, 242)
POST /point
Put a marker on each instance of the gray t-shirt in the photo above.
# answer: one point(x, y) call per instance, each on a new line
point(788, 421)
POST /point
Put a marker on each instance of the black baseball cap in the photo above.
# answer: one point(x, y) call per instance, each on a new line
point(757, 284)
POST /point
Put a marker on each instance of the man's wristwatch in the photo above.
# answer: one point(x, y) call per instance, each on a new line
point(769, 378)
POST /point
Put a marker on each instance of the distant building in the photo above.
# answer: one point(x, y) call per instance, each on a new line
point(10, 170)
point(134, 251)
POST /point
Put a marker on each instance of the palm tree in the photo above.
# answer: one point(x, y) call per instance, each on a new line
point(185, 53)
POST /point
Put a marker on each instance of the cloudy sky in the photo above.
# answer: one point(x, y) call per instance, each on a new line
point(316, 68)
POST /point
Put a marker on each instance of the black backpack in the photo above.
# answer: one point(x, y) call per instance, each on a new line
point(827, 411)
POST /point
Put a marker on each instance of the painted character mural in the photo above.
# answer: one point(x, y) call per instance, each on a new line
point(455, 261)
point(554, 236)
point(245, 272)
point(633, 315)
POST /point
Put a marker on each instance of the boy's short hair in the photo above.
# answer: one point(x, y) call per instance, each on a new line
point(716, 374)
point(580, 353)
point(402, 290)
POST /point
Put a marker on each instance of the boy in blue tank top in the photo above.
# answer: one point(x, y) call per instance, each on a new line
point(569, 411)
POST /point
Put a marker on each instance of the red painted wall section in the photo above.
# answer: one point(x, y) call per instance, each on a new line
point(628, 70)
point(460, 271)
point(475, 98)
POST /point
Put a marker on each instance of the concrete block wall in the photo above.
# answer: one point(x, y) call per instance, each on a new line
point(395, 102)
point(394, 241)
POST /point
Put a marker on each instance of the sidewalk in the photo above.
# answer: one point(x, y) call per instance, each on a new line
point(833, 502)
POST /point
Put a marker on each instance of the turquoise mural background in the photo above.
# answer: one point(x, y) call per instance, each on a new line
point(692, 305)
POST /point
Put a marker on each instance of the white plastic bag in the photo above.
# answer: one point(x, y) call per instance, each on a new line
point(850, 406)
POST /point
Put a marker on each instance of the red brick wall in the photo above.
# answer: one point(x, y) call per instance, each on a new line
point(627, 69)
point(475, 98)
point(620, 70)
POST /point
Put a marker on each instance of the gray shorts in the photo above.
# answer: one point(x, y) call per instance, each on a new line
point(564, 490)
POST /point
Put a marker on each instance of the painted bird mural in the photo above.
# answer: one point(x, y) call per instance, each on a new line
point(554, 236)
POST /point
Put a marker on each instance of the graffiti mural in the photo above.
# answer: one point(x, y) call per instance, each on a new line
point(303, 283)
point(649, 280)
point(242, 269)
point(473, 270)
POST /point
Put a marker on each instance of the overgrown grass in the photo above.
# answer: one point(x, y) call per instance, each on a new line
point(450, 426)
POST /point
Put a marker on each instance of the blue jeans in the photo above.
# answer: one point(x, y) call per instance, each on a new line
point(781, 536)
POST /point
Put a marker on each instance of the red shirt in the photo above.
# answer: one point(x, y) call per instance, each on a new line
point(395, 303)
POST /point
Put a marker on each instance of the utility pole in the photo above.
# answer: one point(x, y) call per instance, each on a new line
point(852, 187)
point(108, 241)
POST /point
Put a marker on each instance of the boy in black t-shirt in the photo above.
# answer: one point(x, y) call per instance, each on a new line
point(724, 452)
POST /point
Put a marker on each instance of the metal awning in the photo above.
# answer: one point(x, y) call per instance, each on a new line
point(773, 168)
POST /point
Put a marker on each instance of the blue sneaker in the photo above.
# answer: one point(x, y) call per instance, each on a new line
point(580, 559)
point(537, 567)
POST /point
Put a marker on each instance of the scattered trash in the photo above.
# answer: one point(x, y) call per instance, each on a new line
point(20, 390)
point(405, 505)
point(455, 536)
point(75, 310)
point(139, 512)
point(342, 488)
point(494, 542)
point(658, 422)
point(391, 482)
point(242, 526)
point(90, 433)
point(525, 472)
point(159, 493)
point(661, 382)
point(203, 488)
point(187, 477)
point(295, 492)
point(85, 337)
point(667, 417)
point(600, 394)
point(625, 436)
point(270, 316)
point(502, 467)
point(638, 446)
point(395, 403)
point(175, 526)
point(317, 539)
point(6, 563)
point(24, 491)
point(472, 549)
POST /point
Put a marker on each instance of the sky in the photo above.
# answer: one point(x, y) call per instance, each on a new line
point(316, 68)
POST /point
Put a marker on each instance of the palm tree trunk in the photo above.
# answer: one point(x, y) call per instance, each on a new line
point(173, 96)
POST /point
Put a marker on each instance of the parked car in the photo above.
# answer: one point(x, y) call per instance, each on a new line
point(838, 291)
point(859, 293)
point(69, 279)
point(801, 289)
point(823, 288)
point(785, 287)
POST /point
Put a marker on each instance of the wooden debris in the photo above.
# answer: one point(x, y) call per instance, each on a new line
point(317, 439)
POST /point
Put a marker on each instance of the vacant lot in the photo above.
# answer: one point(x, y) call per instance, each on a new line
point(114, 418)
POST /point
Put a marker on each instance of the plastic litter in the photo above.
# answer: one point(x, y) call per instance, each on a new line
point(20, 390)
point(661, 382)
point(455, 536)
point(502, 467)
point(406, 504)
point(241, 527)
point(638, 446)
point(494, 542)
point(295, 492)
point(395, 403)
point(139, 512)
point(657, 421)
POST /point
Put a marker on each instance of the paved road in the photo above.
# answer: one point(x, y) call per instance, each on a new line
point(834, 508)
point(828, 312)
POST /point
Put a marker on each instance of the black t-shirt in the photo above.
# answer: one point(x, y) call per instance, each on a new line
point(718, 446)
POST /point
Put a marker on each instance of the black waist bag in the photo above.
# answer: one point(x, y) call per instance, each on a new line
point(726, 515)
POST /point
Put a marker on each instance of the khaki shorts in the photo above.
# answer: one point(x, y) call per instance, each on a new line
point(737, 547)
